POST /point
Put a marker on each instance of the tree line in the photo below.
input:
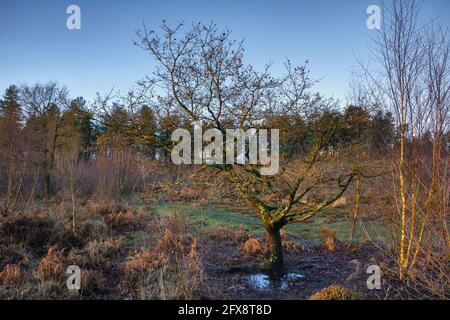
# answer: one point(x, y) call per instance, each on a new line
point(40, 125)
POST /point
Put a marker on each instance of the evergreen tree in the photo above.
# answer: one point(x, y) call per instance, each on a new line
point(10, 148)
point(147, 128)
point(10, 110)
point(10, 120)
point(381, 132)
point(357, 120)
point(77, 129)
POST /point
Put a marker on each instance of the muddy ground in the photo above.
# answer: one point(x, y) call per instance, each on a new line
point(307, 271)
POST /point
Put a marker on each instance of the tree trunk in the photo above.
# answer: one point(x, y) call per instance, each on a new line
point(275, 247)
point(47, 182)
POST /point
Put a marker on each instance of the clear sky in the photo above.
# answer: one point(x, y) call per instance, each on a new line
point(36, 46)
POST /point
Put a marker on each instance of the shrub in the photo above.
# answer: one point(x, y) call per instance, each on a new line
point(121, 220)
point(120, 217)
point(335, 292)
point(92, 228)
point(33, 230)
point(98, 250)
point(64, 238)
point(93, 283)
point(96, 254)
point(138, 263)
point(11, 276)
point(100, 253)
point(14, 255)
point(51, 266)
point(252, 247)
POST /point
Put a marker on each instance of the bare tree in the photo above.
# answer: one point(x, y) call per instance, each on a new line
point(42, 104)
point(201, 72)
point(413, 83)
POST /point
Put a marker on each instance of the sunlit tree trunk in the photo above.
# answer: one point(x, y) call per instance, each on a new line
point(275, 248)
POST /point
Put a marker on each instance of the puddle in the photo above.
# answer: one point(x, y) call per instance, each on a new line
point(264, 282)
point(260, 281)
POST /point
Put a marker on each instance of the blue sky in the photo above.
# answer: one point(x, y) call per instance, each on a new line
point(36, 46)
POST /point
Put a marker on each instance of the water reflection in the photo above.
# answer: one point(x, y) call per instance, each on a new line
point(264, 282)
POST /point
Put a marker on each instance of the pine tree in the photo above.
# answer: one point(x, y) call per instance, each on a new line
point(10, 146)
point(147, 128)
point(10, 120)
point(10, 110)
point(77, 129)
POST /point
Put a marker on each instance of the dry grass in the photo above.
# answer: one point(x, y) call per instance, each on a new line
point(341, 202)
point(30, 229)
point(229, 235)
point(138, 263)
point(290, 245)
point(51, 266)
point(11, 276)
point(93, 284)
point(118, 217)
point(252, 247)
point(335, 292)
point(97, 254)
point(171, 269)
point(98, 251)
point(36, 248)
point(13, 254)
point(123, 254)
point(329, 240)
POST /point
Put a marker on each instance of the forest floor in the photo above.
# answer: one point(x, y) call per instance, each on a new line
point(310, 265)
point(174, 250)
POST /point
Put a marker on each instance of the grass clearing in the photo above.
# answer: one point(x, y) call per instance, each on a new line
point(336, 219)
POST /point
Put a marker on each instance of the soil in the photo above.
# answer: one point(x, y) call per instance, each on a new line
point(306, 273)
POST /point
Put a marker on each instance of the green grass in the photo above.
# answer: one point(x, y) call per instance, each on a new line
point(204, 218)
point(134, 239)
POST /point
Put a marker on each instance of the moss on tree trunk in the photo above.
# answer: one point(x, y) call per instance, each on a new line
point(275, 247)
